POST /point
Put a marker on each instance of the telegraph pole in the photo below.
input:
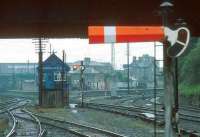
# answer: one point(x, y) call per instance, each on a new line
point(128, 51)
point(168, 74)
point(113, 55)
point(28, 63)
point(40, 47)
point(155, 92)
point(63, 75)
point(13, 77)
point(40, 73)
point(67, 81)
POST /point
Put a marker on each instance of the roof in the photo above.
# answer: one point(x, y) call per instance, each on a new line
point(54, 62)
point(94, 63)
point(70, 18)
point(91, 70)
point(87, 70)
point(141, 62)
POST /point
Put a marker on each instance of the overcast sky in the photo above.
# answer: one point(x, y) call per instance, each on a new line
point(22, 50)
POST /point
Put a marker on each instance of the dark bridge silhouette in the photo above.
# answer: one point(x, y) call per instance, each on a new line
point(70, 18)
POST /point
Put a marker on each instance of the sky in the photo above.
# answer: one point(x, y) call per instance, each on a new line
point(23, 50)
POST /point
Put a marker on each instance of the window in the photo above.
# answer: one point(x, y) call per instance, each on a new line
point(57, 76)
point(76, 81)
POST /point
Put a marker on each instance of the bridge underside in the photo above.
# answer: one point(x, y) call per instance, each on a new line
point(70, 18)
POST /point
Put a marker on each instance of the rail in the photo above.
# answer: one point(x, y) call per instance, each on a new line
point(41, 132)
point(106, 132)
point(12, 131)
point(13, 106)
point(134, 109)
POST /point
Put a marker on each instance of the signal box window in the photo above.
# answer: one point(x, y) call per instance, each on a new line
point(57, 76)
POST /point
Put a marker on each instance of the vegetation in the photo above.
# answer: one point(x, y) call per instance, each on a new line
point(190, 90)
point(99, 119)
point(189, 70)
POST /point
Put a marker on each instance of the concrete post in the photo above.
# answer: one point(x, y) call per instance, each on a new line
point(168, 75)
point(169, 93)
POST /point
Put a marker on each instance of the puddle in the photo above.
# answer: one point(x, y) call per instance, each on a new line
point(72, 105)
point(149, 115)
point(148, 104)
point(74, 111)
point(153, 100)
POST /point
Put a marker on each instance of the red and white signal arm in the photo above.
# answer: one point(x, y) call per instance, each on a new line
point(76, 66)
point(125, 34)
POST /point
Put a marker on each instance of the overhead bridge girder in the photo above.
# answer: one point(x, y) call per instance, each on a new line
point(70, 18)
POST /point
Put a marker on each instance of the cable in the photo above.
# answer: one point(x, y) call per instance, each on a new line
point(155, 84)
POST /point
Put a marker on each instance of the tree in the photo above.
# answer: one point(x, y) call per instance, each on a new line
point(190, 66)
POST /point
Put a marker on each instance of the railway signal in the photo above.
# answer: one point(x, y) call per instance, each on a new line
point(76, 66)
point(82, 68)
point(178, 39)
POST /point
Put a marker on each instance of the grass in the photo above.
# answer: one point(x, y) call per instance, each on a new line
point(99, 119)
point(91, 116)
point(189, 90)
point(3, 124)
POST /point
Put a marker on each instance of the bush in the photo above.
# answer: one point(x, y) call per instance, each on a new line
point(189, 90)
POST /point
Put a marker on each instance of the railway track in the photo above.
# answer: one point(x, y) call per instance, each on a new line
point(51, 129)
point(186, 113)
point(8, 102)
point(78, 129)
point(147, 114)
point(23, 128)
point(13, 129)
point(126, 110)
point(24, 123)
point(9, 106)
point(192, 109)
point(134, 111)
point(140, 111)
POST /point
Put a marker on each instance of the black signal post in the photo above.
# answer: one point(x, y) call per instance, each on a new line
point(82, 68)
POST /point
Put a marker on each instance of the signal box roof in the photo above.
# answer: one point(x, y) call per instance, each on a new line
point(54, 63)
